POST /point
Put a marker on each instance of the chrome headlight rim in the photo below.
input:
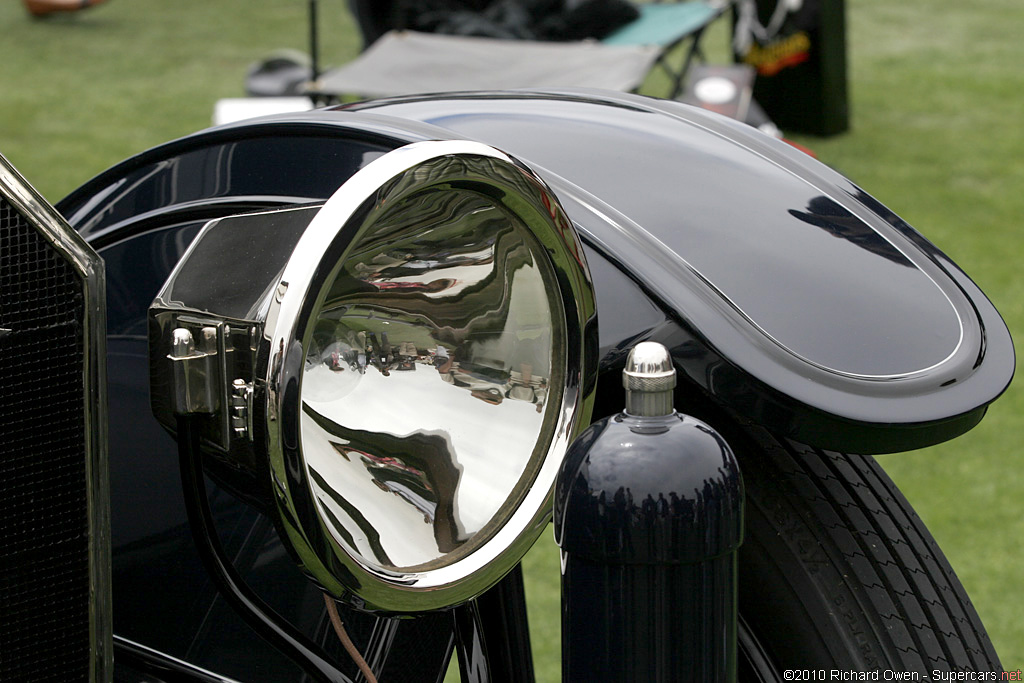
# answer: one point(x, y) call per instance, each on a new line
point(316, 259)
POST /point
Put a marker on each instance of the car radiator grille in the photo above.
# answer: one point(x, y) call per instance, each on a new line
point(44, 516)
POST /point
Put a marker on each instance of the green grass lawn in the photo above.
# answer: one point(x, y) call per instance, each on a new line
point(937, 91)
point(938, 96)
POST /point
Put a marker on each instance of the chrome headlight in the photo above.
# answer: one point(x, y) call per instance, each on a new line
point(402, 367)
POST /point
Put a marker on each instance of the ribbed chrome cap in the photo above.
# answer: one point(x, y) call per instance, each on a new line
point(649, 378)
point(649, 368)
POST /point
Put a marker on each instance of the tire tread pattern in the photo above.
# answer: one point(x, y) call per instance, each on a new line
point(884, 553)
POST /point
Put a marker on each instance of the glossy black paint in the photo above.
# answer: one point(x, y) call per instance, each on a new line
point(493, 643)
point(685, 249)
point(799, 287)
point(649, 516)
point(186, 617)
point(275, 630)
point(137, 664)
point(806, 306)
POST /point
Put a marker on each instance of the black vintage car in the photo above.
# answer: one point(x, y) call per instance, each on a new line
point(348, 350)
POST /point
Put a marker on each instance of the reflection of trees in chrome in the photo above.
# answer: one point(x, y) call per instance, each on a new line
point(447, 280)
point(420, 468)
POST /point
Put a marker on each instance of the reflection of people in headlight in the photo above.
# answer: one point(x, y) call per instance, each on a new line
point(522, 392)
point(406, 357)
point(524, 385)
point(442, 361)
point(527, 387)
point(432, 287)
point(335, 361)
point(360, 352)
point(379, 353)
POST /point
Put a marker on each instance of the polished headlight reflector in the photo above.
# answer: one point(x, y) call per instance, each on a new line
point(418, 370)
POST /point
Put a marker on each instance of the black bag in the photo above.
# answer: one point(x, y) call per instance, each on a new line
point(588, 19)
point(798, 48)
point(557, 20)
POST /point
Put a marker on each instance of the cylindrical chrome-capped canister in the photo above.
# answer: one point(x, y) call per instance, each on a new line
point(649, 516)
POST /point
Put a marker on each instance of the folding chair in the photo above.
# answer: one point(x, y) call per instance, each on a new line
point(406, 62)
point(668, 25)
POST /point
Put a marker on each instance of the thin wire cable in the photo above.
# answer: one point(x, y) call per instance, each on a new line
point(350, 647)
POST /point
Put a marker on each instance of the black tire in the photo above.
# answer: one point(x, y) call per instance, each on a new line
point(838, 572)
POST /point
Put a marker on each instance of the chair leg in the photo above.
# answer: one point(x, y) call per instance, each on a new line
point(677, 76)
point(695, 52)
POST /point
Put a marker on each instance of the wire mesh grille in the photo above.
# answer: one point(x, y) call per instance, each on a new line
point(44, 543)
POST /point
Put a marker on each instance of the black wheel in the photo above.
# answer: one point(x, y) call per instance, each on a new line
point(838, 572)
